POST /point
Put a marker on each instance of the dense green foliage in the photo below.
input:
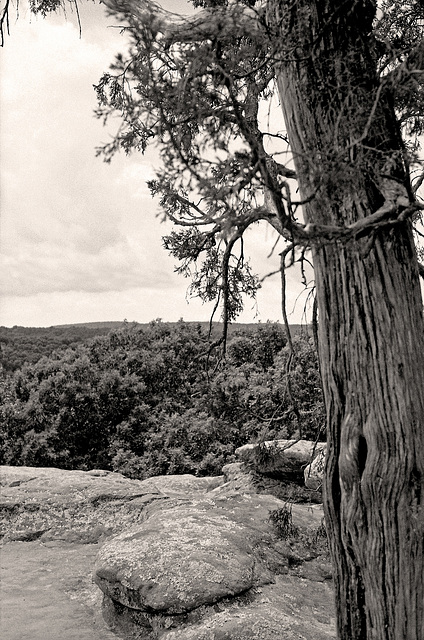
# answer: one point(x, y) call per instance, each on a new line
point(154, 400)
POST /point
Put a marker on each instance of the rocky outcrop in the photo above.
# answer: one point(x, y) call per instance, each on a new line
point(215, 568)
point(285, 458)
point(231, 564)
point(238, 476)
point(82, 506)
point(292, 470)
point(181, 558)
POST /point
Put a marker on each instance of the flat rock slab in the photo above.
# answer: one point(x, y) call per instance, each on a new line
point(31, 484)
point(82, 506)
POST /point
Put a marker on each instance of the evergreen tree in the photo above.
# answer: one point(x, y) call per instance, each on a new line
point(350, 83)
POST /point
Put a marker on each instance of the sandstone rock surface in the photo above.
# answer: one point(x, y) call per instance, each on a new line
point(214, 569)
point(279, 611)
point(180, 558)
point(82, 506)
point(46, 593)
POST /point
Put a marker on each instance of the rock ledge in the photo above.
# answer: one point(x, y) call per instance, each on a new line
point(183, 558)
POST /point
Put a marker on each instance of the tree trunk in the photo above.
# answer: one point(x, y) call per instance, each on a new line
point(348, 157)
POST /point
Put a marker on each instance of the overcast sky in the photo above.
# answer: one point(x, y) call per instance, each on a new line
point(80, 240)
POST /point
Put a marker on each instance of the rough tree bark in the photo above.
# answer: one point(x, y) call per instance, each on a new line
point(349, 159)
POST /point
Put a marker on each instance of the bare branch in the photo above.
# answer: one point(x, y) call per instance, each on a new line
point(4, 22)
point(418, 183)
point(284, 171)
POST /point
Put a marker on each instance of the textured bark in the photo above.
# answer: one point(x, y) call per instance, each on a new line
point(348, 155)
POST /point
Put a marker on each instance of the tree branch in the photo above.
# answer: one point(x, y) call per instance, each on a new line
point(384, 217)
point(226, 23)
point(284, 171)
point(290, 248)
point(412, 64)
point(4, 22)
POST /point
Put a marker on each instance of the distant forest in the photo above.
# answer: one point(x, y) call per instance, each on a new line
point(20, 345)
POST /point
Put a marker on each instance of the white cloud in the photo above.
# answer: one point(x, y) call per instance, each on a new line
point(43, 267)
point(79, 238)
point(64, 211)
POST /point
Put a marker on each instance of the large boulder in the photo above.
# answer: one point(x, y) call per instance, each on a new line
point(243, 478)
point(186, 556)
point(286, 459)
point(199, 570)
